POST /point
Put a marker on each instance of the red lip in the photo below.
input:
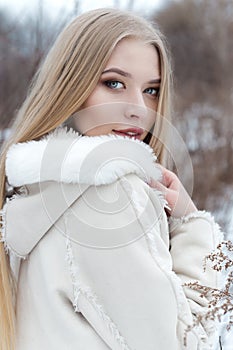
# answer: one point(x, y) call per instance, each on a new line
point(138, 131)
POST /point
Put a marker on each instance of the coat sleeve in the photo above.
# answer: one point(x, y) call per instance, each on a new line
point(192, 239)
point(121, 267)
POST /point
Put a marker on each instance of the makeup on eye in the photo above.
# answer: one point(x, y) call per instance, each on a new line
point(153, 91)
point(128, 75)
point(115, 84)
point(125, 74)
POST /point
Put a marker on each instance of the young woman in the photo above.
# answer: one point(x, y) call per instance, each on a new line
point(97, 238)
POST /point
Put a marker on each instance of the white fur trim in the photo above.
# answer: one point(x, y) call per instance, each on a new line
point(91, 297)
point(73, 274)
point(174, 223)
point(66, 156)
point(202, 335)
point(164, 263)
point(3, 228)
point(175, 281)
point(166, 266)
point(13, 254)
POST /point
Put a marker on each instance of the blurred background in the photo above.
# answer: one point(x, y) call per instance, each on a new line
point(199, 35)
point(200, 38)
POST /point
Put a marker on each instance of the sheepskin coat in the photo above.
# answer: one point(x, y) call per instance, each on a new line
point(97, 263)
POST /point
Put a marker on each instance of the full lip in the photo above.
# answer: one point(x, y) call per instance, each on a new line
point(138, 132)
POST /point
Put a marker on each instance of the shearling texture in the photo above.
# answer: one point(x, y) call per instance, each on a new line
point(93, 160)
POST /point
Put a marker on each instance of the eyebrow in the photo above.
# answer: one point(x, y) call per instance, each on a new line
point(128, 75)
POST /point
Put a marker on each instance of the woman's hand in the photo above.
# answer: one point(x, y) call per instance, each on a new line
point(178, 199)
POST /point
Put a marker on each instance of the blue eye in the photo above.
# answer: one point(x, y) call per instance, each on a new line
point(152, 91)
point(113, 84)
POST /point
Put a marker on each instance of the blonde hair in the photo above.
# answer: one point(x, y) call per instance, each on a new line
point(64, 81)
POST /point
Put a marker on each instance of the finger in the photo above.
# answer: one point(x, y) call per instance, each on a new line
point(159, 186)
point(164, 190)
point(168, 177)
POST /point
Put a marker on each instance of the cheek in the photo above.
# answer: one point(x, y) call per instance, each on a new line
point(152, 104)
point(89, 102)
point(98, 96)
point(96, 116)
point(151, 117)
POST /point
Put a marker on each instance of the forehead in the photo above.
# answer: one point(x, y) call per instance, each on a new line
point(134, 54)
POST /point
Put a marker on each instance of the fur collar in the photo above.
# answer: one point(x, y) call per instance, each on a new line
point(66, 156)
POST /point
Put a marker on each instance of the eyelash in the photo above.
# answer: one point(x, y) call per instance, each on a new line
point(108, 84)
point(156, 91)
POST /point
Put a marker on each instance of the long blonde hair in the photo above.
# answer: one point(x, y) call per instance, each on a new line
point(64, 81)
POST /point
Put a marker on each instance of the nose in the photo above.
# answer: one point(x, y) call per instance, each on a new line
point(135, 106)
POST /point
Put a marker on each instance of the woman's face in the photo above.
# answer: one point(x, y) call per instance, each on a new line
point(126, 95)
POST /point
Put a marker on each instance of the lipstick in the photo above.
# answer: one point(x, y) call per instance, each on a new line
point(130, 132)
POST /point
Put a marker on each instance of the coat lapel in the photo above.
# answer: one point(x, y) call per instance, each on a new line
point(50, 167)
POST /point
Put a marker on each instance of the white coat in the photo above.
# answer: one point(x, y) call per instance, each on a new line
point(97, 263)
